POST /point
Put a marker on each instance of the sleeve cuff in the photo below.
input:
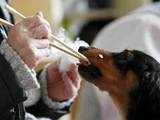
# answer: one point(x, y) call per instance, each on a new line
point(26, 76)
point(58, 106)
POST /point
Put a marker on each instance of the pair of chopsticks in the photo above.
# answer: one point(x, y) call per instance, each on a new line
point(67, 49)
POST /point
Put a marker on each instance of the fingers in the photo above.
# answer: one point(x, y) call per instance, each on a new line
point(30, 22)
point(28, 57)
point(34, 21)
point(62, 85)
point(29, 39)
point(36, 26)
point(70, 88)
point(59, 87)
point(40, 32)
point(73, 75)
point(68, 76)
point(41, 54)
point(40, 44)
point(53, 74)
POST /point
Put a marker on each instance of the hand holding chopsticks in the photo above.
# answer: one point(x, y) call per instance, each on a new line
point(67, 49)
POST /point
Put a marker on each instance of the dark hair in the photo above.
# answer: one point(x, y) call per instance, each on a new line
point(135, 60)
point(145, 97)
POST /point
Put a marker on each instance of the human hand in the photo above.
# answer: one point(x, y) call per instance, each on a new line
point(29, 38)
point(62, 85)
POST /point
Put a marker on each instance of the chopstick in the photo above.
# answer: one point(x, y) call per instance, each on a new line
point(74, 53)
point(66, 46)
point(12, 10)
point(2, 21)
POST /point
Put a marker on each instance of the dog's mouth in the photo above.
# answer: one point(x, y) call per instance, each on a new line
point(88, 71)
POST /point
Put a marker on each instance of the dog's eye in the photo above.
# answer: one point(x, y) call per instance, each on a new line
point(101, 56)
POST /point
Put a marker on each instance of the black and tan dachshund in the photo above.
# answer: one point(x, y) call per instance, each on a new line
point(131, 77)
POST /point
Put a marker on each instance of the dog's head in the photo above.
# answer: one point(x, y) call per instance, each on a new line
point(116, 72)
point(131, 77)
point(104, 71)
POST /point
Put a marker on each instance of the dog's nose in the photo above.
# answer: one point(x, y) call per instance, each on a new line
point(82, 49)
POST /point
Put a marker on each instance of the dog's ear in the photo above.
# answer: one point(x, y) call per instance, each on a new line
point(123, 60)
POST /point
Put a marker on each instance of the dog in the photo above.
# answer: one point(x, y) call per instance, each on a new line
point(131, 77)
